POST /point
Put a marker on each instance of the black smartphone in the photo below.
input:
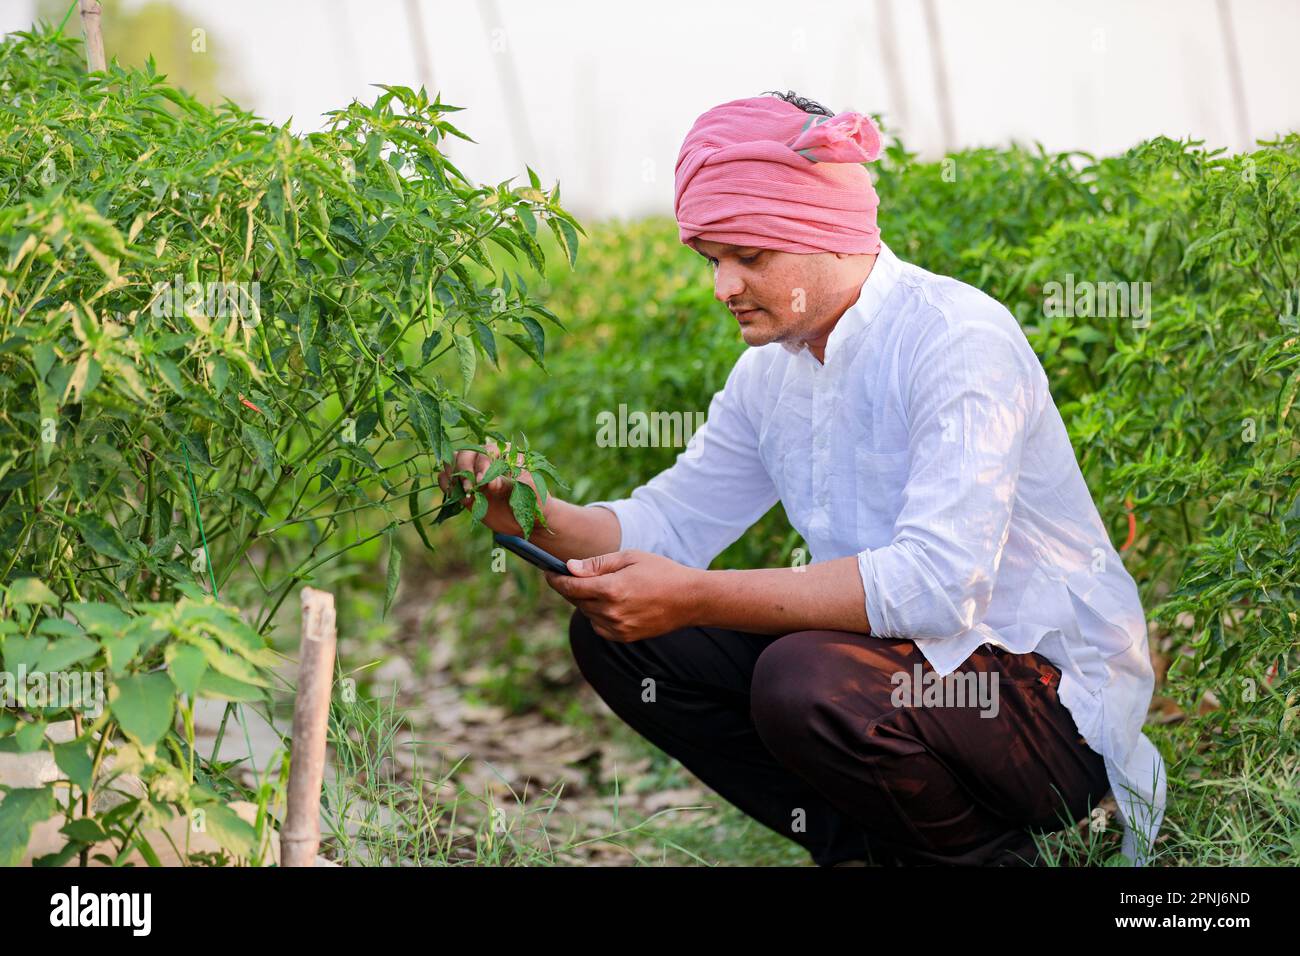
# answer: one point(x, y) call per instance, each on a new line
point(531, 553)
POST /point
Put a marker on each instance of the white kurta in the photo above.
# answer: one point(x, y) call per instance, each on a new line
point(929, 446)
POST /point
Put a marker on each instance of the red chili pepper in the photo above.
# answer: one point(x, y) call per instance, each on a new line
point(1132, 525)
point(244, 401)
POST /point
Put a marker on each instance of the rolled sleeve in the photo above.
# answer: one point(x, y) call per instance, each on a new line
point(970, 402)
point(712, 493)
point(636, 527)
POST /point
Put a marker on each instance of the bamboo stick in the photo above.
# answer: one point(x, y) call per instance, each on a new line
point(90, 16)
point(300, 838)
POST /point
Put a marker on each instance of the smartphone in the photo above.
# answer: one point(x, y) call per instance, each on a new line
point(531, 553)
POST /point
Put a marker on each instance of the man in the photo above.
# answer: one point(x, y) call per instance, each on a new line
point(906, 425)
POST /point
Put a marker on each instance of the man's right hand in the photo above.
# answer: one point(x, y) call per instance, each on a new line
point(499, 516)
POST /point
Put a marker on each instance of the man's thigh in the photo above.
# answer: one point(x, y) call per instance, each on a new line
point(717, 662)
point(993, 734)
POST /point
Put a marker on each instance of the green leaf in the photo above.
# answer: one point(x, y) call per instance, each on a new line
point(31, 591)
point(540, 482)
point(570, 240)
point(426, 415)
point(220, 687)
point(100, 536)
point(23, 651)
point(535, 253)
point(413, 506)
point(170, 374)
point(186, 666)
point(498, 468)
point(224, 662)
point(523, 504)
point(429, 345)
point(250, 501)
point(21, 810)
point(84, 830)
point(121, 649)
point(220, 374)
point(30, 736)
point(99, 619)
point(74, 759)
point(143, 705)
point(528, 219)
point(58, 627)
point(527, 346)
point(486, 339)
point(262, 448)
point(43, 357)
point(66, 651)
point(468, 359)
point(535, 332)
point(229, 829)
point(197, 448)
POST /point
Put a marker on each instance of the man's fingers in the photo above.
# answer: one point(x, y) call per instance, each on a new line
point(580, 589)
point(462, 462)
point(477, 464)
point(604, 563)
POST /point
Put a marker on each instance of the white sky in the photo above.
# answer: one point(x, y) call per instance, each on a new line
point(606, 91)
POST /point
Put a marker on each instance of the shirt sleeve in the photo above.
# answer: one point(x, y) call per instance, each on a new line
point(969, 401)
point(712, 493)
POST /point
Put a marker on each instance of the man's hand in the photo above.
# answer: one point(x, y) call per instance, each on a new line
point(629, 595)
point(499, 516)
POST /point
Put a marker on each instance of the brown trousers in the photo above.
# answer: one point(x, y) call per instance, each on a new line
point(827, 738)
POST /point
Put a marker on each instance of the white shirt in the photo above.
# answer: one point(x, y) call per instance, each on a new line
point(929, 446)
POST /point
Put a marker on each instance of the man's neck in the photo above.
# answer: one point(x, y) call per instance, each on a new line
point(817, 346)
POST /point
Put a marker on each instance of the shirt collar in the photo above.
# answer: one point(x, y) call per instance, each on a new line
point(875, 290)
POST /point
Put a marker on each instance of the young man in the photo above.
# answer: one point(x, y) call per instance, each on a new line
point(906, 425)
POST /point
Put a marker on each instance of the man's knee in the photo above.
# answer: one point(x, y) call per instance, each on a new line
point(784, 694)
point(798, 687)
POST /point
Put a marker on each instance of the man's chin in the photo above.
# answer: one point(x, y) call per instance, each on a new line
point(756, 335)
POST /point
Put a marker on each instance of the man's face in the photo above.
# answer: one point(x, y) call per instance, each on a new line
point(775, 296)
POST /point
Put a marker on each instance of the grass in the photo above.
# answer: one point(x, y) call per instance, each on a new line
point(377, 816)
point(508, 647)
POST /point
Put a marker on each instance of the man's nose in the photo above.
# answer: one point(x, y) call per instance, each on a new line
point(726, 284)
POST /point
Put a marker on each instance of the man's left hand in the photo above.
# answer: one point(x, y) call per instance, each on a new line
point(629, 595)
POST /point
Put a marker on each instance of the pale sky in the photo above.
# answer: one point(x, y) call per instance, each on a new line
point(599, 95)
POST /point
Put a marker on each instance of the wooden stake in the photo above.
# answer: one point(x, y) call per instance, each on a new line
point(300, 838)
point(90, 14)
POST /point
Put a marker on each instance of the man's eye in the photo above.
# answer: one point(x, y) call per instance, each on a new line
point(749, 258)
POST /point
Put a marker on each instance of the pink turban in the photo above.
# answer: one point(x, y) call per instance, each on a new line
point(761, 172)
